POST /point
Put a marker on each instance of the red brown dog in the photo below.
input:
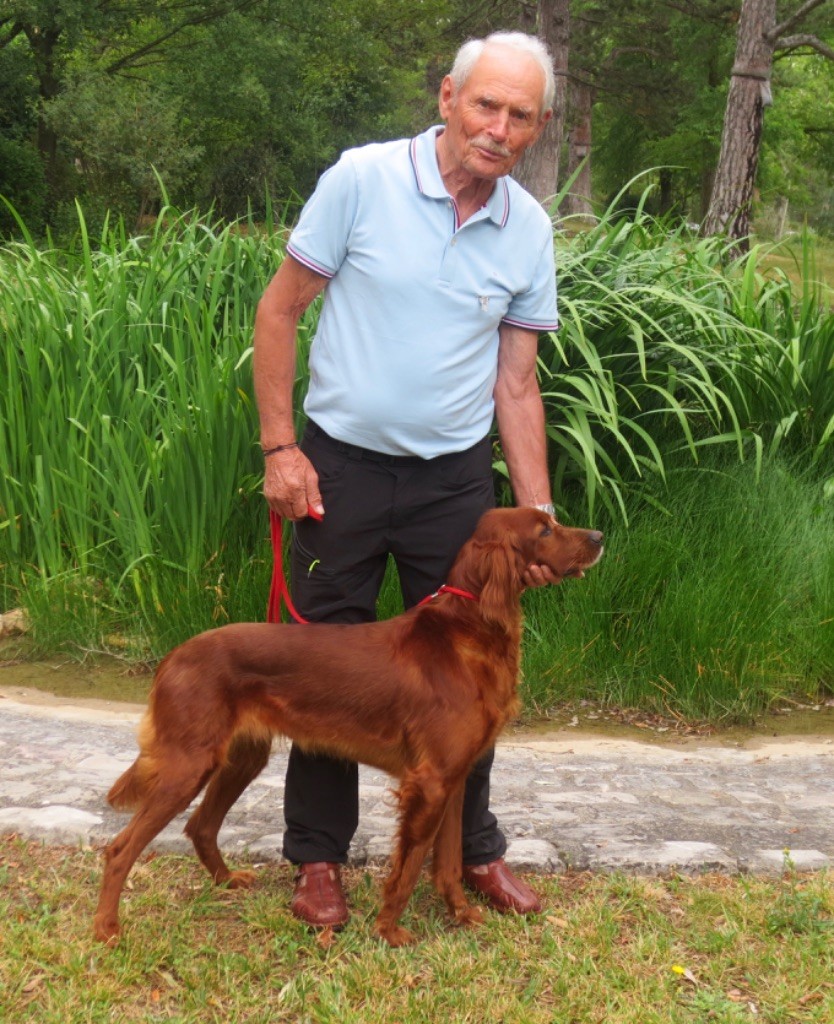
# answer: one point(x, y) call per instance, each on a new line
point(421, 696)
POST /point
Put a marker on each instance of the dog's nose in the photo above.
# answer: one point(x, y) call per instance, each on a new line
point(595, 537)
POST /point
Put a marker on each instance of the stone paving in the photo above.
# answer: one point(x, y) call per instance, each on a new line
point(565, 799)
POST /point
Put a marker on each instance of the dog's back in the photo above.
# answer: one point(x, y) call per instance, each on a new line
point(354, 691)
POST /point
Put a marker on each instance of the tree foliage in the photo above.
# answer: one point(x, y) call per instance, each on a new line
point(227, 101)
point(660, 76)
point(238, 103)
point(798, 145)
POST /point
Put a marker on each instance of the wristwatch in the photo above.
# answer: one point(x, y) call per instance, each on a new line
point(547, 507)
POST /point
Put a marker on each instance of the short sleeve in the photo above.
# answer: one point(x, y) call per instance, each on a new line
point(535, 308)
point(320, 239)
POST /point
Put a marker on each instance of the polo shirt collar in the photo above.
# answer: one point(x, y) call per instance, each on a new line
point(429, 182)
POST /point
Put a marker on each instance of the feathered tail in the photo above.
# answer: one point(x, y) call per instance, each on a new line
point(131, 788)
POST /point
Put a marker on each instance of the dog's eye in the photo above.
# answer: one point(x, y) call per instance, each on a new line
point(546, 532)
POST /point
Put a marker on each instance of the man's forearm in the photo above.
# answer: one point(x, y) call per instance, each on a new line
point(520, 413)
point(290, 482)
point(274, 377)
point(521, 426)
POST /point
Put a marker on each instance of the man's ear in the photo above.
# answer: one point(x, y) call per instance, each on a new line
point(446, 97)
point(546, 116)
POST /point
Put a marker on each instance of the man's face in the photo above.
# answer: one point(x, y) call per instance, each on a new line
point(495, 115)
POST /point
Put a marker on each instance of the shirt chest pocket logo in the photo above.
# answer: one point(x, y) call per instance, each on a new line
point(493, 298)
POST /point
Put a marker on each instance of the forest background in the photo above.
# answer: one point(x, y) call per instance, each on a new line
point(231, 103)
point(153, 156)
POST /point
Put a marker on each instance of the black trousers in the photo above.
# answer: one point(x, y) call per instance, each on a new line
point(419, 511)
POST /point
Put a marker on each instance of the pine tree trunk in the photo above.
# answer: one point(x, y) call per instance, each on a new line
point(538, 169)
point(735, 176)
point(578, 201)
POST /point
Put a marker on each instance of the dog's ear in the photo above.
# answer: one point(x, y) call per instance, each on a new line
point(500, 580)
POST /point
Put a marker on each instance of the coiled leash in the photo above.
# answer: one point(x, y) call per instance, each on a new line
point(279, 591)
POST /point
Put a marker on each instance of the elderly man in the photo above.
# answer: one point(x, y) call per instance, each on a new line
point(437, 271)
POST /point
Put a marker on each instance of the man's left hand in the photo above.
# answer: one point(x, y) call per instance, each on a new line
point(538, 576)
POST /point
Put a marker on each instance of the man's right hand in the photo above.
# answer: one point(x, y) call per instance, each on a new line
point(291, 485)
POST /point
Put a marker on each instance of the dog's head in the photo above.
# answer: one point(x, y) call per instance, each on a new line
point(506, 541)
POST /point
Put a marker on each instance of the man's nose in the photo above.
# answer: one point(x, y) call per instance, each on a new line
point(499, 126)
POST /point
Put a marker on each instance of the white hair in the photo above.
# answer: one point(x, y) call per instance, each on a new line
point(470, 53)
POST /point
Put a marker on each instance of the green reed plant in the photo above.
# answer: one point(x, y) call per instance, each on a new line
point(803, 364)
point(127, 426)
point(668, 345)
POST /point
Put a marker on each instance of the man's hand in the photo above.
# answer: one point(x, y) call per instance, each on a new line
point(291, 485)
point(538, 576)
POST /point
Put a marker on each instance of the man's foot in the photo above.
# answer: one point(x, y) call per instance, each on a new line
point(500, 888)
point(318, 899)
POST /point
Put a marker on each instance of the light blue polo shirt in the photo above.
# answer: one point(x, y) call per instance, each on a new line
point(405, 356)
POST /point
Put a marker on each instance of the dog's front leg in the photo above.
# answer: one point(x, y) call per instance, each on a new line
point(447, 863)
point(422, 796)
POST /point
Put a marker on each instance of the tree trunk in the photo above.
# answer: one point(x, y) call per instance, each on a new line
point(538, 169)
point(781, 217)
point(666, 191)
point(578, 200)
point(735, 176)
point(43, 43)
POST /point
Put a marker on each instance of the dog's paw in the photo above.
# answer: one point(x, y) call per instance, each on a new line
point(395, 935)
point(468, 917)
point(241, 879)
point(107, 931)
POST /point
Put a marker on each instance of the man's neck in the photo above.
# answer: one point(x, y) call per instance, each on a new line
point(469, 193)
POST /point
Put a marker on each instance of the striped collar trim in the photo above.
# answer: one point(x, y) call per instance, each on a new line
point(429, 182)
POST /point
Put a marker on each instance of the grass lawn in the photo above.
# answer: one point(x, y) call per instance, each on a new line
point(610, 949)
point(788, 257)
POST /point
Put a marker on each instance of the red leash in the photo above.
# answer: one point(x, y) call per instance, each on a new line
point(279, 591)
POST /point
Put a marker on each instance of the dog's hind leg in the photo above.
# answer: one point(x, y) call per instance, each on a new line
point(246, 759)
point(167, 797)
point(422, 796)
point(447, 862)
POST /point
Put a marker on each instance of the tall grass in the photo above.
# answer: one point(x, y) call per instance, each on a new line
point(716, 601)
point(129, 496)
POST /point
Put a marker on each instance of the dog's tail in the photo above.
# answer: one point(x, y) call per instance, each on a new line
point(131, 788)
